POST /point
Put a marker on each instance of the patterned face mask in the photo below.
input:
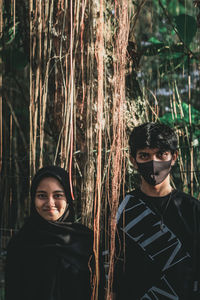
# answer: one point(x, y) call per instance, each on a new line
point(154, 172)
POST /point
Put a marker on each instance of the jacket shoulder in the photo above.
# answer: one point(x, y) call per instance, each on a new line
point(187, 200)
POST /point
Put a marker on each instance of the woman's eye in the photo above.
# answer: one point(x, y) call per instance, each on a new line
point(59, 196)
point(41, 196)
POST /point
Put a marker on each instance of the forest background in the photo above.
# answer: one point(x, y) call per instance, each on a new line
point(75, 78)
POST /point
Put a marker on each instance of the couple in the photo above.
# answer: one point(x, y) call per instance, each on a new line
point(157, 238)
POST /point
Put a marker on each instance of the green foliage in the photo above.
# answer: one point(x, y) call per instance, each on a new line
point(154, 40)
point(173, 55)
point(189, 135)
point(161, 30)
point(187, 27)
point(11, 32)
point(182, 117)
point(175, 7)
point(12, 49)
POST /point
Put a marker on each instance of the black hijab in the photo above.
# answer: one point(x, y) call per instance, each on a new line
point(50, 260)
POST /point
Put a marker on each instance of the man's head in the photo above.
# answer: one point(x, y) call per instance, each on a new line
point(153, 135)
point(153, 151)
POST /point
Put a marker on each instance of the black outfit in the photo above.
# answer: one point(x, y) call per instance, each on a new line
point(50, 260)
point(161, 258)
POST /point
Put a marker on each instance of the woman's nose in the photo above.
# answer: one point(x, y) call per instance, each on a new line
point(50, 200)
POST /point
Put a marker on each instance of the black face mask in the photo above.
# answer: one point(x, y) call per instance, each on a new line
point(154, 172)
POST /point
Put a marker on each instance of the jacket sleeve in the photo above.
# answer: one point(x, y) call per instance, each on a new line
point(196, 251)
point(12, 273)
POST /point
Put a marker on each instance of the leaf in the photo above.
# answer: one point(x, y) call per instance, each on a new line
point(163, 2)
point(163, 30)
point(11, 33)
point(154, 40)
point(175, 7)
point(186, 26)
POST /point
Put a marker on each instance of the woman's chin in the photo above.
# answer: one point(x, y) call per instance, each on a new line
point(51, 215)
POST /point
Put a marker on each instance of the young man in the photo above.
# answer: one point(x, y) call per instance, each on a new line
point(158, 227)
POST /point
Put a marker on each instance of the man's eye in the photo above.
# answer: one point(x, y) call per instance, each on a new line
point(143, 155)
point(163, 155)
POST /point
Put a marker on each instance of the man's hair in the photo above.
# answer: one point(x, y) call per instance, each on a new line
point(153, 135)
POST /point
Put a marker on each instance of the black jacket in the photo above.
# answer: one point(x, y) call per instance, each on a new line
point(157, 262)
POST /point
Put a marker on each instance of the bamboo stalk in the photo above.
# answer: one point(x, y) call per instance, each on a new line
point(97, 201)
point(31, 92)
point(191, 137)
point(1, 86)
point(40, 84)
point(14, 14)
point(10, 144)
point(17, 123)
point(88, 81)
point(121, 10)
point(72, 67)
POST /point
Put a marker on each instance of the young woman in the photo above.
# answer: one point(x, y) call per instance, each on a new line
point(51, 257)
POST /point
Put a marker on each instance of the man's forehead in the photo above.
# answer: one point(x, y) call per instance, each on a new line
point(150, 150)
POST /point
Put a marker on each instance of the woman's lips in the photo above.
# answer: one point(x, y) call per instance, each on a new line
point(50, 209)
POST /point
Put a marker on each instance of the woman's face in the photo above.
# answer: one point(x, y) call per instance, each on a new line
point(50, 199)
